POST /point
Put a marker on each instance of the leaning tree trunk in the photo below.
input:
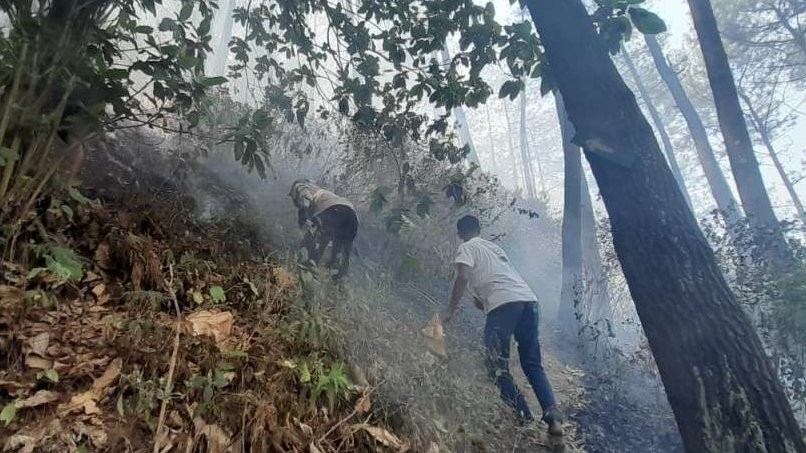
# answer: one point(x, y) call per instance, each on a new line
point(659, 126)
point(705, 154)
point(719, 382)
point(570, 311)
point(764, 133)
point(755, 200)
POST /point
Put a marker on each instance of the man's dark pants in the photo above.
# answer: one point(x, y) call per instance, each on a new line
point(521, 320)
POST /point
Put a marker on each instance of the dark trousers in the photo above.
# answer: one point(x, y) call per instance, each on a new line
point(337, 225)
point(521, 320)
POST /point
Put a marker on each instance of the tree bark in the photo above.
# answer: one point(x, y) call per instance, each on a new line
point(705, 154)
point(659, 126)
point(755, 200)
point(221, 55)
point(528, 174)
point(763, 132)
point(569, 312)
point(718, 379)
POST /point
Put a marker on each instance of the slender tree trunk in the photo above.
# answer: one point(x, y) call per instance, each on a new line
point(539, 163)
point(221, 54)
point(755, 200)
point(659, 126)
point(759, 126)
point(571, 290)
point(494, 167)
point(718, 379)
point(528, 174)
point(461, 118)
point(513, 158)
point(713, 173)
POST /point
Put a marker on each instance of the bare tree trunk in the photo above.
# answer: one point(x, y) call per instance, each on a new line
point(659, 126)
point(528, 174)
point(755, 200)
point(759, 126)
point(720, 385)
point(221, 54)
point(569, 312)
point(597, 289)
point(513, 157)
point(494, 167)
point(539, 162)
point(461, 118)
point(713, 173)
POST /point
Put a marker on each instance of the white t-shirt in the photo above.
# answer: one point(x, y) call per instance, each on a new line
point(492, 278)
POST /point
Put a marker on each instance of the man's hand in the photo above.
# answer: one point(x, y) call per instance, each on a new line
point(478, 302)
point(458, 290)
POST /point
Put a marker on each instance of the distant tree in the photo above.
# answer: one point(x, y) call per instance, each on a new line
point(658, 122)
point(769, 237)
point(720, 189)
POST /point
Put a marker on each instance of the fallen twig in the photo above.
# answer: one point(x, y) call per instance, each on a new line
point(172, 366)
point(350, 416)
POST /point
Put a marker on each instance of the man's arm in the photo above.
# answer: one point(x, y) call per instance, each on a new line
point(458, 291)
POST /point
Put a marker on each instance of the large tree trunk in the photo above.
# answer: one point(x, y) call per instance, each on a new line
point(659, 126)
point(763, 132)
point(571, 290)
point(755, 200)
point(221, 51)
point(705, 154)
point(461, 118)
point(528, 174)
point(718, 379)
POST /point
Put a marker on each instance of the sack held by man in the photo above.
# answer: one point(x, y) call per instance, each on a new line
point(327, 219)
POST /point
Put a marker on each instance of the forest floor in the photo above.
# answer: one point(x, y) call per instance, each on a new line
point(141, 298)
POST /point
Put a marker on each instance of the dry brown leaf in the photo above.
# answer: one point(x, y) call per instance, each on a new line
point(363, 405)
point(38, 399)
point(11, 295)
point(27, 440)
point(435, 338)
point(38, 363)
point(88, 400)
point(215, 324)
point(14, 388)
point(313, 448)
point(383, 436)
point(39, 344)
point(98, 290)
point(217, 440)
point(102, 256)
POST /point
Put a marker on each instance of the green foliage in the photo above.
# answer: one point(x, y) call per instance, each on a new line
point(60, 262)
point(615, 20)
point(212, 382)
point(320, 381)
point(217, 294)
point(789, 308)
point(8, 413)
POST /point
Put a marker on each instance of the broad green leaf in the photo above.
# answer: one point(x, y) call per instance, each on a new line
point(217, 294)
point(78, 196)
point(186, 11)
point(144, 29)
point(647, 22)
point(198, 297)
point(8, 413)
point(213, 81)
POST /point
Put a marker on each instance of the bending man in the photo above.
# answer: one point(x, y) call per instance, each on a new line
point(327, 218)
point(511, 309)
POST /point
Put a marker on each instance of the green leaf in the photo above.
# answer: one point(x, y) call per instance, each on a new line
point(52, 375)
point(213, 81)
point(186, 11)
point(8, 413)
point(64, 263)
point(167, 24)
point(235, 354)
point(78, 196)
point(117, 74)
point(647, 22)
point(144, 29)
point(197, 297)
point(217, 294)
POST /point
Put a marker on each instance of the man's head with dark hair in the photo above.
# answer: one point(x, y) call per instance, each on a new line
point(468, 227)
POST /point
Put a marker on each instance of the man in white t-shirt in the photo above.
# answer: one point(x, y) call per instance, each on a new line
point(511, 309)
